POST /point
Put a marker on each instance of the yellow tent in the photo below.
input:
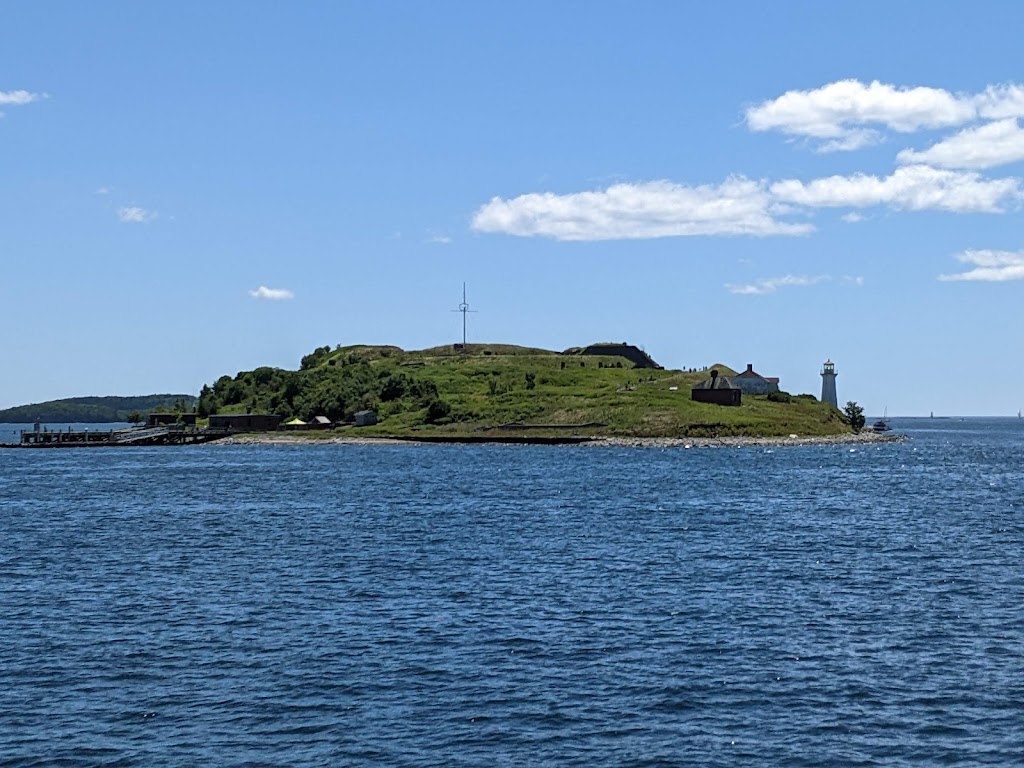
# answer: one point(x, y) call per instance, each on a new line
point(296, 422)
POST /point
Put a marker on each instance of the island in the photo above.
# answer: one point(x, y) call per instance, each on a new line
point(502, 392)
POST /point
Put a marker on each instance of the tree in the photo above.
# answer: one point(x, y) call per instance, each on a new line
point(531, 380)
point(314, 358)
point(854, 416)
point(134, 417)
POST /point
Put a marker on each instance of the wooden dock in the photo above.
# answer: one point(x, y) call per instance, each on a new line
point(174, 434)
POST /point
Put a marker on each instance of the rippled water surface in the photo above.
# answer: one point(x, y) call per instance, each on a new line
point(516, 606)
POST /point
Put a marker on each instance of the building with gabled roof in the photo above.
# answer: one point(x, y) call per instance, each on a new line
point(753, 383)
point(718, 390)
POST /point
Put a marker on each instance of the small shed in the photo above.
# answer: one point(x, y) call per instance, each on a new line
point(717, 390)
point(366, 418)
point(320, 422)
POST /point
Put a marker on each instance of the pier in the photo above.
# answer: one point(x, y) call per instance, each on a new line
point(172, 434)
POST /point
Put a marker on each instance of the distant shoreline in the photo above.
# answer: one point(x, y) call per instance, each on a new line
point(864, 438)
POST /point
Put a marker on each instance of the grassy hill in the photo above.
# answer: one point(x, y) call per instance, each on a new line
point(504, 387)
point(91, 410)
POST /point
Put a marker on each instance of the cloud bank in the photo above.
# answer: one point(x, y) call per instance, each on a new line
point(849, 114)
point(914, 188)
point(842, 115)
point(272, 294)
point(653, 209)
point(989, 266)
point(985, 146)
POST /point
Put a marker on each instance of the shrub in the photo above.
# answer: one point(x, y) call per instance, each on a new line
point(393, 387)
point(437, 410)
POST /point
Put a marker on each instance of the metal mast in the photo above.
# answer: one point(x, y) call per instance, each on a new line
point(464, 309)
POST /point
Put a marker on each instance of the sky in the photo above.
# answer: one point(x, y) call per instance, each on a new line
point(193, 189)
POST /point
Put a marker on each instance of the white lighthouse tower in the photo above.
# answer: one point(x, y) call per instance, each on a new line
point(828, 383)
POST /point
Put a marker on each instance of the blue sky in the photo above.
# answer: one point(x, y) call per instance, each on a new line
point(192, 189)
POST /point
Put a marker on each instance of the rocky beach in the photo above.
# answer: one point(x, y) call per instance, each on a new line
point(863, 438)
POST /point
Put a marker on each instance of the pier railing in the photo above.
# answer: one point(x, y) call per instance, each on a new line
point(173, 434)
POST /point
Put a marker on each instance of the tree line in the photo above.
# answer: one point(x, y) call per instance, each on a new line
point(93, 410)
point(330, 387)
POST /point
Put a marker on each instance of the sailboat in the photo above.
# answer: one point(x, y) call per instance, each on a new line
point(881, 425)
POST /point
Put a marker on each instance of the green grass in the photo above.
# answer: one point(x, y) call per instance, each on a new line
point(626, 401)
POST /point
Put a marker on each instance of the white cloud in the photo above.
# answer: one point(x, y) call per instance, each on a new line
point(18, 98)
point(853, 280)
point(851, 140)
point(984, 146)
point(849, 114)
point(652, 209)
point(843, 115)
point(998, 102)
point(772, 284)
point(273, 294)
point(914, 187)
point(839, 111)
point(440, 239)
point(133, 214)
point(738, 206)
point(990, 266)
point(103, 190)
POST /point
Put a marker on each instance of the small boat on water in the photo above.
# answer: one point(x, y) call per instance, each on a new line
point(882, 425)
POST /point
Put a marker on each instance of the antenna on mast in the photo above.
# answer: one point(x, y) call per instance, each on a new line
point(464, 309)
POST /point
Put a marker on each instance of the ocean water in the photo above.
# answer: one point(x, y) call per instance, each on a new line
point(516, 606)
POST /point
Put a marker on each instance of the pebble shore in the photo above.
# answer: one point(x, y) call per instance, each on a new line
point(864, 438)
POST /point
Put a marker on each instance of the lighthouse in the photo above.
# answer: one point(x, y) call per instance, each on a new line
point(828, 383)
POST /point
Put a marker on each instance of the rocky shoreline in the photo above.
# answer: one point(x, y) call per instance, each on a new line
point(864, 438)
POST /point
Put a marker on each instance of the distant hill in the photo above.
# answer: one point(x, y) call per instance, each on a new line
point(92, 409)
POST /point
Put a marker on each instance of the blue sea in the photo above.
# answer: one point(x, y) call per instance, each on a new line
point(431, 605)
